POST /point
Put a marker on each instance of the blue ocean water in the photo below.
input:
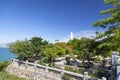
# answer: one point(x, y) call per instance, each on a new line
point(6, 55)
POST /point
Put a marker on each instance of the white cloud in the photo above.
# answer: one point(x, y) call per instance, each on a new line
point(87, 33)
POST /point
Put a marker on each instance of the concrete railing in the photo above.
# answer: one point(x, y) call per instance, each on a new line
point(59, 73)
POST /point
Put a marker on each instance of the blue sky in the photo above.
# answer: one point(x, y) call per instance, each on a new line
point(50, 19)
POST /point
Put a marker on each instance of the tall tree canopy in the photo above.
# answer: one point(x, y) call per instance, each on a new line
point(82, 47)
point(111, 37)
point(28, 48)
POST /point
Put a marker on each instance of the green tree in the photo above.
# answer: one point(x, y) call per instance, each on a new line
point(110, 39)
point(51, 52)
point(82, 46)
point(28, 49)
point(36, 45)
point(21, 48)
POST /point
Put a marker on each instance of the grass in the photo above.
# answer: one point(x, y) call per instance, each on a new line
point(73, 70)
point(6, 76)
point(79, 71)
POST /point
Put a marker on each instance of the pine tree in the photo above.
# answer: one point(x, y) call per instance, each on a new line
point(111, 37)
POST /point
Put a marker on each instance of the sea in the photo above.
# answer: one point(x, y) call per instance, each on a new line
point(6, 55)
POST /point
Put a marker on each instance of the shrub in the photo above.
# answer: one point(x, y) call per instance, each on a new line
point(71, 69)
point(97, 59)
point(102, 73)
point(81, 65)
point(3, 65)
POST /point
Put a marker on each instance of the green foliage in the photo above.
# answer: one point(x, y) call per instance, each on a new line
point(97, 59)
point(52, 51)
point(110, 39)
point(83, 47)
point(102, 72)
point(114, 15)
point(81, 65)
point(71, 69)
point(6, 76)
point(67, 60)
point(3, 65)
point(37, 44)
point(28, 48)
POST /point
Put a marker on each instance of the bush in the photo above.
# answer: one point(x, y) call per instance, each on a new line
point(6, 76)
point(102, 73)
point(68, 60)
point(3, 65)
point(97, 59)
point(81, 65)
point(71, 69)
point(45, 61)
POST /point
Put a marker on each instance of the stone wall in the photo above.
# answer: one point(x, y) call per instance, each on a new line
point(32, 71)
